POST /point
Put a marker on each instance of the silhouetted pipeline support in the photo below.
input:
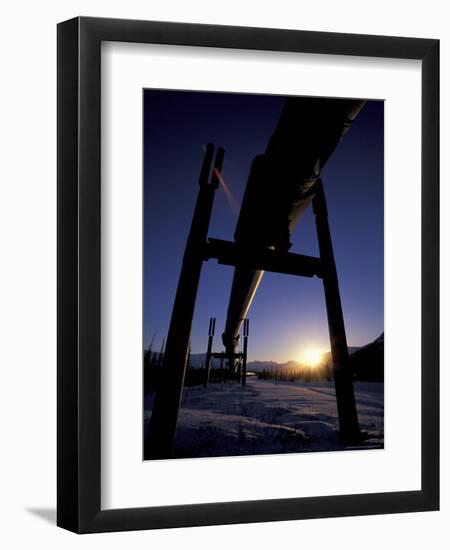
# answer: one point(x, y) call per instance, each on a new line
point(161, 436)
point(343, 379)
point(211, 330)
point(244, 352)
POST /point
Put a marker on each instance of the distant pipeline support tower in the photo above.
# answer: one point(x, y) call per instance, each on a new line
point(237, 360)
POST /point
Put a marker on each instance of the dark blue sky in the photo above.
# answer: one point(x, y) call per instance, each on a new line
point(288, 313)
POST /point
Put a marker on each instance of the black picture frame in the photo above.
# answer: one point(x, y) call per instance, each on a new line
point(79, 281)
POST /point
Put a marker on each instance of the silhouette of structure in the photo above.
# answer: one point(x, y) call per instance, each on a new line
point(282, 183)
point(237, 361)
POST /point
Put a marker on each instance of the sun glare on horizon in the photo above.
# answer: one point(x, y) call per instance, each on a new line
point(311, 356)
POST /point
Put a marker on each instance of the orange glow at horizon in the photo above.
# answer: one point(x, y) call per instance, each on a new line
point(311, 357)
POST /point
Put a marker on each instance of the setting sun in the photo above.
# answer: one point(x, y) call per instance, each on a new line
point(312, 357)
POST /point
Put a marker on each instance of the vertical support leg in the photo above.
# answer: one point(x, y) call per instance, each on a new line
point(212, 328)
point(345, 397)
point(160, 440)
point(221, 370)
point(244, 351)
point(237, 364)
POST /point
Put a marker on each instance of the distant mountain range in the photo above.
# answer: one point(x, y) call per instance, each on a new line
point(367, 361)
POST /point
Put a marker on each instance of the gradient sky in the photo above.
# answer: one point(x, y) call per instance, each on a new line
point(288, 313)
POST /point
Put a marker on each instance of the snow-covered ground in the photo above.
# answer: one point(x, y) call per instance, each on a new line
point(269, 417)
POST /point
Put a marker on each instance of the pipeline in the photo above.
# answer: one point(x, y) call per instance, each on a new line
point(280, 188)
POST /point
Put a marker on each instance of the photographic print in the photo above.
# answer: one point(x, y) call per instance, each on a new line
point(263, 282)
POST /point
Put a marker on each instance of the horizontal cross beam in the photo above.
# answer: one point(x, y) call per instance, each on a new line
point(221, 355)
point(264, 259)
